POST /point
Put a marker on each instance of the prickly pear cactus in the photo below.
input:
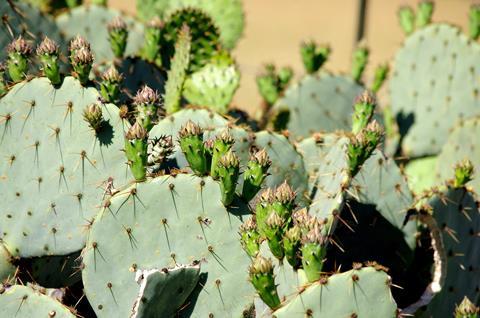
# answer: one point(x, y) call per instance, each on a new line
point(213, 85)
point(56, 167)
point(287, 163)
point(461, 144)
point(320, 102)
point(29, 22)
point(457, 217)
point(381, 183)
point(24, 302)
point(227, 14)
point(91, 22)
point(444, 65)
point(192, 224)
point(156, 284)
point(357, 293)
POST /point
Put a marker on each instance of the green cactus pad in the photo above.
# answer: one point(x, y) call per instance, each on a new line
point(421, 174)
point(332, 179)
point(227, 14)
point(321, 102)
point(434, 83)
point(458, 218)
point(163, 292)
point(381, 183)
point(32, 24)
point(25, 302)
point(7, 270)
point(91, 22)
point(204, 34)
point(287, 163)
point(192, 224)
point(357, 293)
point(54, 167)
point(462, 143)
point(213, 85)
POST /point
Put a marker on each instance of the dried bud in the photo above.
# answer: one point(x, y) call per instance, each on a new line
point(78, 42)
point(365, 98)
point(285, 194)
point(20, 46)
point(274, 220)
point(261, 157)
point(117, 24)
point(249, 225)
point(159, 149)
point(315, 236)
point(301, 217)
point(267, 196)
point(226, 137)
point(146, 95)
point(47, 47)
point(112, 75)
point(93, 116)
point(261, 265)
point(190, 129)
point(208, 144)
point(136, 132)
point(230, 159)
point(123, 112)
point(294, 234)
point(83, 56)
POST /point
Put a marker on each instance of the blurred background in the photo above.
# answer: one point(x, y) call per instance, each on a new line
point(275, 28)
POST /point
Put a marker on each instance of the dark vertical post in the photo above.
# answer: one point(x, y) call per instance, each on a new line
point(361, 20)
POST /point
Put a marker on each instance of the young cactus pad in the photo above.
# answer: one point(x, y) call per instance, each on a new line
point(356, 293)
point(55, 167)
point(192, 224)
point(25, 302)
point(444, 65)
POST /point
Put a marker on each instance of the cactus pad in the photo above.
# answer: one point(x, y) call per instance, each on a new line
point(458, 218)
point(462, 143)
point(287, 163)
point(25, 302)
point(191, 225)
point(419, 173)
point(55, 168)
point(356, 293)
point(213, 85)
point(91, 22)
point(321, 102)
point(162, 292)
point(434, 83)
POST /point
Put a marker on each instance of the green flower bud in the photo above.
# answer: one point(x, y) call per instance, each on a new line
point(151, 49)
point(250, 238)
point(291, 246)
point(262, 278)
point(136, 150)
point(274, 234)
point(146, 102)
point(463, 173)
point(191, 143)
point(17, 62)
point(118, 34)
point(228, 171)
point(314, 249)
point(82, 61)
point(255, 174)
point(222, 144)
point(360, 59)
point(314, 57)
point(92, 114)
point(362, 111)
point(111, 84)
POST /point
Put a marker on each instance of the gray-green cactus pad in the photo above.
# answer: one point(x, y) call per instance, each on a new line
point(227, 14)
point(435, 82)
point(462, 143)
point(332, 179)
point(24, 302)
point(54, 167)
point(287, 163)
point(363, 293)
point(162, 292)
point(458, 219)
point(320, 102)
point(91, 22)
point(381, 183)
point(159, 223)
point(34, 25)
